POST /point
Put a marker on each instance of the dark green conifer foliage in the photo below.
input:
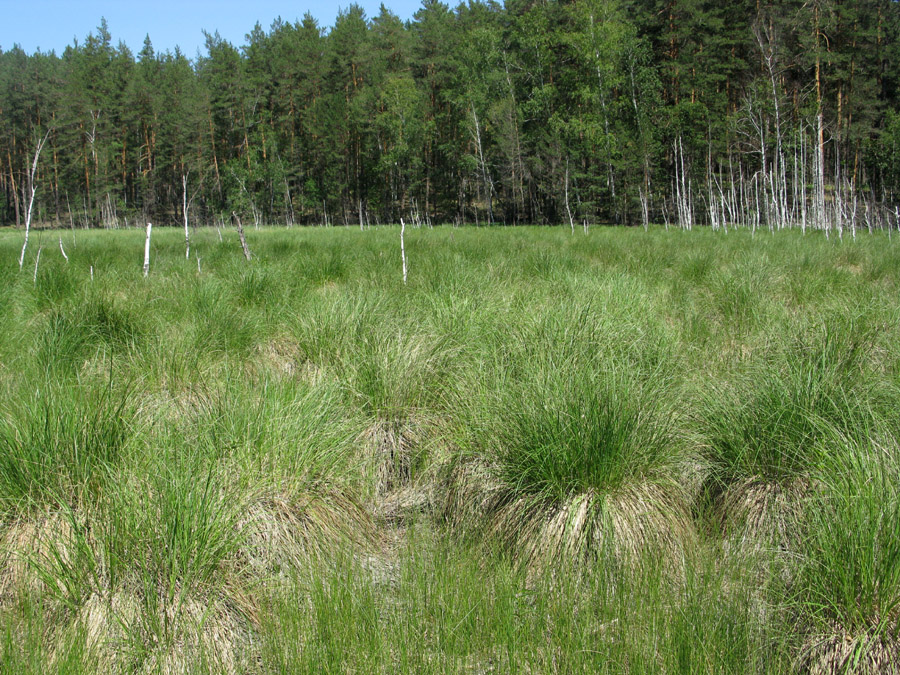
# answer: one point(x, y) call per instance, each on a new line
point(616, 111)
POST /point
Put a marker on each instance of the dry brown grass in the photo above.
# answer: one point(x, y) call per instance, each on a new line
point(758, 514)
point(283, 529)
point(122, 628)
point(844, 653)
point(126, 633)
point(136, 626)
point(24, 541)
point(284, 358)
point(404, 461)
point(472, 494)
point(619, 525)
point(389, 447)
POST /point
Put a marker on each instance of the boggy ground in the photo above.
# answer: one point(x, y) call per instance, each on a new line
point(620, 452)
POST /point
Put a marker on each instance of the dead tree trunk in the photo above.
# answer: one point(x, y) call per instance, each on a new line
point(37, 261)
point(184, 209)
point(403, 249)
point(821, 218)
point(240, 229)
point(485, 178)
point(31, 189)
point(147, 251)
point(568, 209)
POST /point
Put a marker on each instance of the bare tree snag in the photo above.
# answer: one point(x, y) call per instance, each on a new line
point(403, 249)
point(485, 178)
point(821, 219)
point(240, 229)
point(37, 261)
point(31, 189)
point(147, 251)
point(569, 210)
point(62, 250)
point(184, 210)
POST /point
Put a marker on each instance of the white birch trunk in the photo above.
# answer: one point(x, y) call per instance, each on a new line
point(37, 261)
point(147, 251)
point(32, 189)
point(288, 205)
point(403, 249)
point(821, 216)
point(240, 229)
point(569, 210)
point(645, 208)
point(184, 209)
point(804, 206)
point(485, 178)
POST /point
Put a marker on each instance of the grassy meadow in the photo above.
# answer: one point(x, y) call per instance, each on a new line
point(620, 452)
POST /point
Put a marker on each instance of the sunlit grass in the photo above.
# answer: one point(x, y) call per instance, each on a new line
point(538, 455)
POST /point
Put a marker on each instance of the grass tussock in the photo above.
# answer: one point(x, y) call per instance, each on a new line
point(584, 460)
point(772, 429)
point(849, 576)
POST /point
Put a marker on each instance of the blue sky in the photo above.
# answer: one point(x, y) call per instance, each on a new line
point(54, 24)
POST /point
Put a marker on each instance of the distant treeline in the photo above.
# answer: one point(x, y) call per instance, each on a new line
point(750, 112)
